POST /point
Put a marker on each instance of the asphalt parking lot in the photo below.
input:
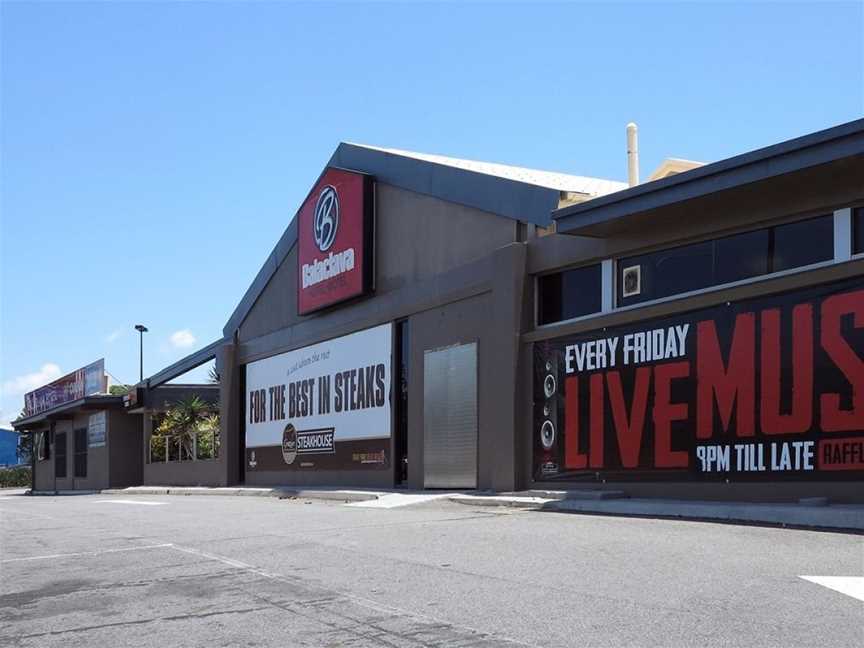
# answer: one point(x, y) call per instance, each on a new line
point(102, 570)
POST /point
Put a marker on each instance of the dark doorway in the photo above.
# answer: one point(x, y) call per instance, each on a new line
point(81, 452)
point(241, 425)
point(403, 361)
point(60, 448)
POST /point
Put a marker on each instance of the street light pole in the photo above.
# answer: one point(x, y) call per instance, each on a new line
point(141, 331)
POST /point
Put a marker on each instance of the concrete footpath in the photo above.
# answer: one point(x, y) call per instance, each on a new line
point(817, 514)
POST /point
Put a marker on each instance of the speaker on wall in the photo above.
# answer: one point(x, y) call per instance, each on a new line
point(548, 419)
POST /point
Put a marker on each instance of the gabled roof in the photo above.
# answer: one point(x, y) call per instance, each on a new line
point(547, 179)
point(526, 195)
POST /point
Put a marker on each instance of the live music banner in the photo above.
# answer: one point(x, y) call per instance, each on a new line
point(762, 389)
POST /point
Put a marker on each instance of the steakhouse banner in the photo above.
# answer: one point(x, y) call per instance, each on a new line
point(764, 389)
point(325, 406)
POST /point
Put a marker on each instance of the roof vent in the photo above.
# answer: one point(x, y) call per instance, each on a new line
point(632, 155)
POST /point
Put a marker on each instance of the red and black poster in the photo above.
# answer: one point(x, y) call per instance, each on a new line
point(765, 389)
point(335, 232)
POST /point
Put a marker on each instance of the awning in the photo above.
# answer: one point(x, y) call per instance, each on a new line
point(68, 410)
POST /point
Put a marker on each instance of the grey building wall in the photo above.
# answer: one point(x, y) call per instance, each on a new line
point(418, 238)
point(437, 264)
point(457, 323)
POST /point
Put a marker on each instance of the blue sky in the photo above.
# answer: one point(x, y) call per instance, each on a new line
point(153, 153)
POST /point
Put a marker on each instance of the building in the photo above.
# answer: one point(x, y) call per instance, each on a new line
point(726, 358)
point(87, 438)
point(82, 438)
point(429, 322)
point(439, 323)
point(394, 261)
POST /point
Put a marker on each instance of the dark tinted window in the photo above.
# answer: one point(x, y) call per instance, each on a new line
point(802, 243)
point(60, 455)
point(741, 256)
point(569, 294)
point(728, 259)
point(81, 452)
point(858, 230)
point(669, 272)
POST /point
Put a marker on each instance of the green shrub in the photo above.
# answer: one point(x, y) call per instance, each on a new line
point(17, 477)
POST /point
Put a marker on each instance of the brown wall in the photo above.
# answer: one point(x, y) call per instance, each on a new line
point(186, 473)
point(97, 458)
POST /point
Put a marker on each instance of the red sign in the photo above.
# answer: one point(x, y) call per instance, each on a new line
point(335, 240)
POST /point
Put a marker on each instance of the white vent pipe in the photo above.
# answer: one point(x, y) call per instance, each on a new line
point(632, 155)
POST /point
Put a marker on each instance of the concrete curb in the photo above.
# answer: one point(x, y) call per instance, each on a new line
point(836, 517)
point(516, 501)
point(806, 515)
point(14, 491)
point(62, 492)
point(576, 494)
point(278, 492)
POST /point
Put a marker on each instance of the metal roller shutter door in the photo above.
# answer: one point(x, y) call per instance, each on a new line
point(450, 417)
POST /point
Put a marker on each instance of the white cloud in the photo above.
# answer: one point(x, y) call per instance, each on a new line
point(28, 382)
point(6, 420)
point(182, 339)
point(113, 336)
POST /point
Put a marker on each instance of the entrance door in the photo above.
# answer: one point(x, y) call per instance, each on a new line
point(450, 417)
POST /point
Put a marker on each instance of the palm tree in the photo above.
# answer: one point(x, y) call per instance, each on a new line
point(183, 422)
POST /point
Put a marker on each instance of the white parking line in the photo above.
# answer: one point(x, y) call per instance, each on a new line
point(139, 502)
point(86, 553)
point(849, 585)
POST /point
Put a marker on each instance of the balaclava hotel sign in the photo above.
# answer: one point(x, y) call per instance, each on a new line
point(335, 240)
